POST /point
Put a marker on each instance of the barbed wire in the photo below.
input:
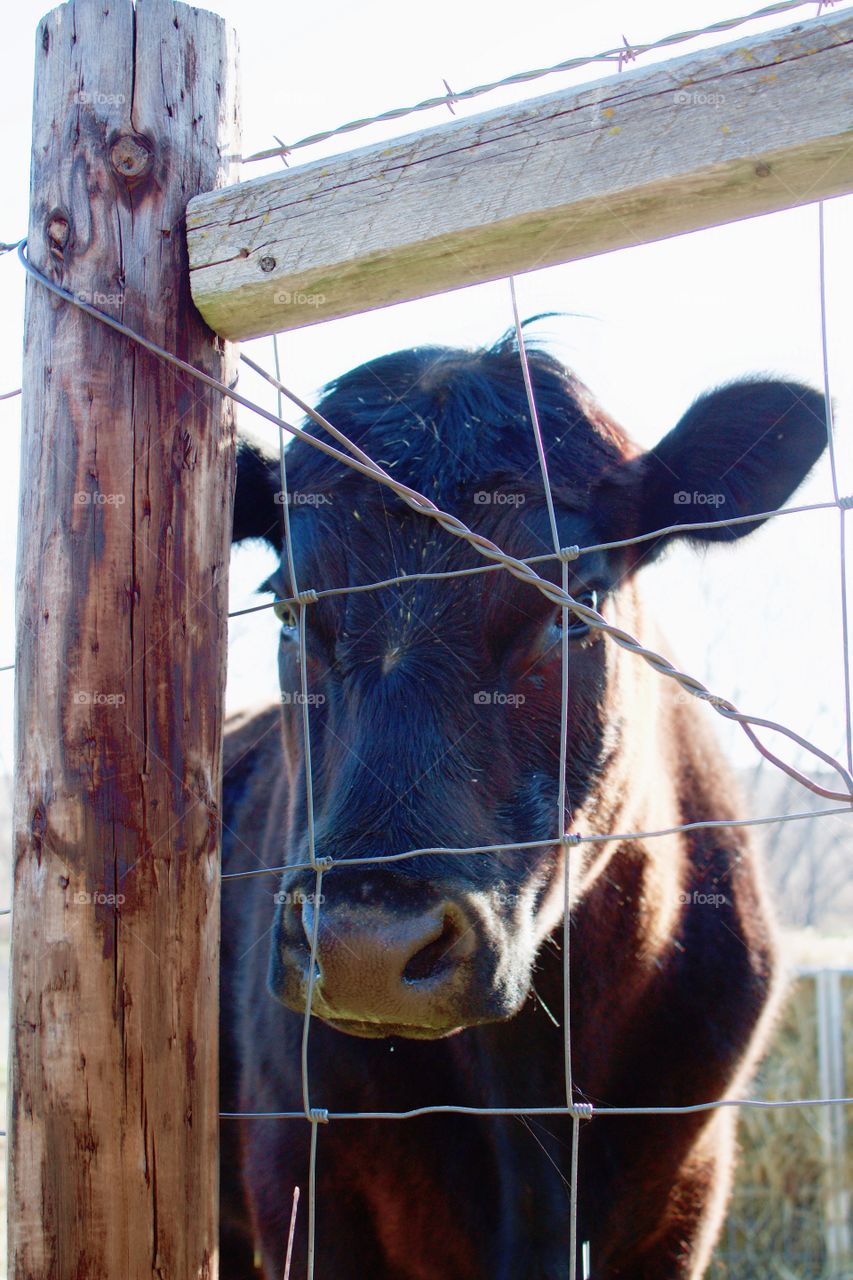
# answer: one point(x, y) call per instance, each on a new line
point(620, 54)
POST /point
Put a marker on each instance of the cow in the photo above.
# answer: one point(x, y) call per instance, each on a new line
point(435, 714)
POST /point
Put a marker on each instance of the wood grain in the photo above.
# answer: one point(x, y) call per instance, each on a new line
point(747, 128)
point(122, 598)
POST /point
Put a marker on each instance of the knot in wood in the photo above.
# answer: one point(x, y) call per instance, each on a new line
point(58, 231)
point(131, 156)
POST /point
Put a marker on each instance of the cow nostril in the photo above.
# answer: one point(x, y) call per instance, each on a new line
point(436, 956)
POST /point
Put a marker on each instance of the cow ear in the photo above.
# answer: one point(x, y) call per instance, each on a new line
point(257, 513)
point(737, 451)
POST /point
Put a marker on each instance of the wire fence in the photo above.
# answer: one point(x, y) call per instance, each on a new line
point(301, 598)
point(621, 55)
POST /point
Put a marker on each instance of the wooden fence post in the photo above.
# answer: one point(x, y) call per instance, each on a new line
point(122, 580)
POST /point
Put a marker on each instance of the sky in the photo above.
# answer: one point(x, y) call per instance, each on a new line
point(646, 328)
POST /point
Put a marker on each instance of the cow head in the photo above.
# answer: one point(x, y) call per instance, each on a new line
point(434, 704)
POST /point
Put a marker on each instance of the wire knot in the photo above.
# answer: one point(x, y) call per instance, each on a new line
point(322, 864)
point(318, 1115)
point(846, 503)
point(627, 54)
point(451, 97)
point(582, 1110)
point(569, 553)
point(306, 597)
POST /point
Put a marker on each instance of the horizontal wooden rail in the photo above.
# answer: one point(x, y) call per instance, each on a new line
point(742, 129)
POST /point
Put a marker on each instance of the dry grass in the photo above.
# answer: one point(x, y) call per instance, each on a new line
point(775, 1226)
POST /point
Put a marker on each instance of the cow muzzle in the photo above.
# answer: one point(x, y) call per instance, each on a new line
point(381, 968)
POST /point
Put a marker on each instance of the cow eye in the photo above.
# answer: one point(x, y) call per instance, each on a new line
point(286, 615)
point(577, 626)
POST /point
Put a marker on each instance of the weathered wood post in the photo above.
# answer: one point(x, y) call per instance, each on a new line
point(122, 578)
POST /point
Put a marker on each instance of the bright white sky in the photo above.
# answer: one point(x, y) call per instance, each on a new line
point(656, 325)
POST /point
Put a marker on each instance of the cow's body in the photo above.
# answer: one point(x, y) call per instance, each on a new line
point(672, 959)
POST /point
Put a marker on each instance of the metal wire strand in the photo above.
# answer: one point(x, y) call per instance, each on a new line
point(360, 462)
point(581, 1111)
point(618, 55)
point(521, 569)
point(710, 824)
point(833, 467)
point(309, 816)
point(559, 595)
point(546, 557)
point(563, 817)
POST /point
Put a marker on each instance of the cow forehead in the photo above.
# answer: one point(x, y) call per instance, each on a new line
point(451, 424)
point(352, 543)
point(348, 549)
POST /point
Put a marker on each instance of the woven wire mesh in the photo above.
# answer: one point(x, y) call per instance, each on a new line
point(742, 1244)
point(302, 598)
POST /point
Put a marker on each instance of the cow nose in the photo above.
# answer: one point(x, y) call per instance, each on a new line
point(389, 967)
